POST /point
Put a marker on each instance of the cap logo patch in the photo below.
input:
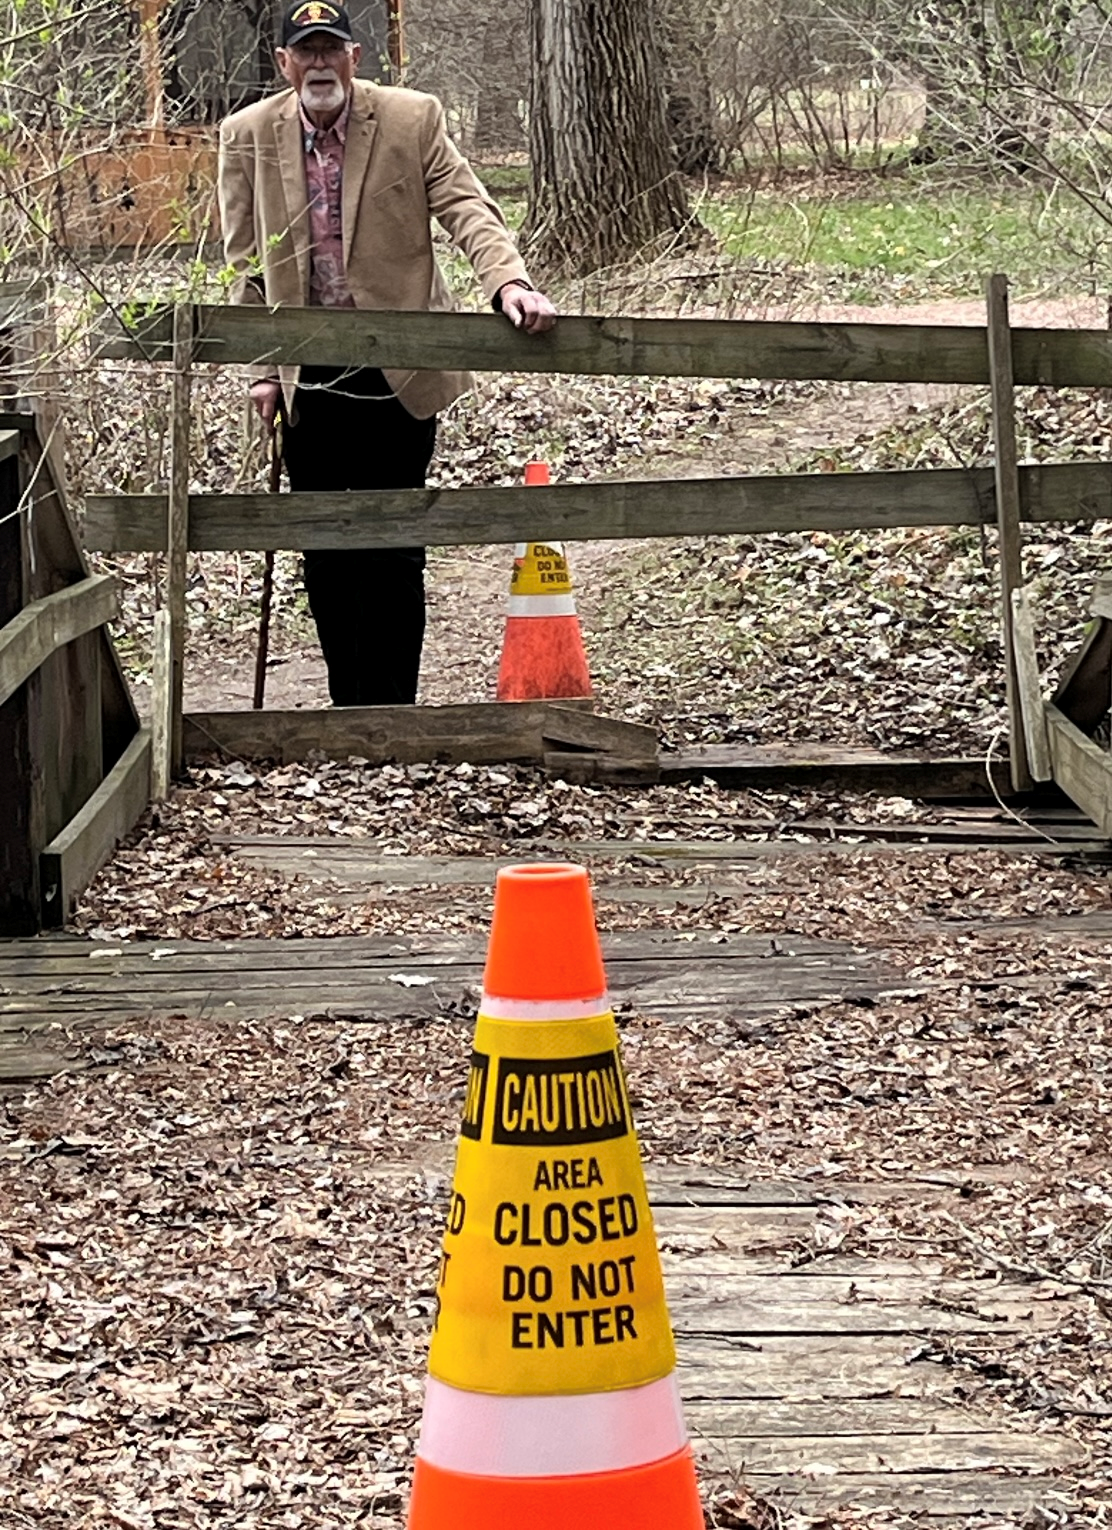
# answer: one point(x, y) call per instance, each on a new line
point(314, 13)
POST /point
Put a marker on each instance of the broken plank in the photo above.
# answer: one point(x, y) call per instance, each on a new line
point(481, 733)
point(583, 729)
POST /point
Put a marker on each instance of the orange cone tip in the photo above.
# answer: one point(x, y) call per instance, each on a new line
point(552, 1401)
point(543, 941)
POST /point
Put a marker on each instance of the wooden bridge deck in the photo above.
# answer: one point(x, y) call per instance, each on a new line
point(819, 1382)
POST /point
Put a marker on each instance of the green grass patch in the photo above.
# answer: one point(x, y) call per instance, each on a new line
point(918, 233)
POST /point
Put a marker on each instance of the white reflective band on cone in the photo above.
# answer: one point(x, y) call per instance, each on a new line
point(540, 605)
point(544, 1009)
point(550, 1436)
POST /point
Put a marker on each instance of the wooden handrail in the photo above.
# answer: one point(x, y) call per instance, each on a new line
point(743, 506)
point(618, 346)
point(49, 624)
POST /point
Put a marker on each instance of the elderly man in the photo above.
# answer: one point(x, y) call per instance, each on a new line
point(326, 194)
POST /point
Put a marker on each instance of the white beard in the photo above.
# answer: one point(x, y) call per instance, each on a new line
point(322, 95)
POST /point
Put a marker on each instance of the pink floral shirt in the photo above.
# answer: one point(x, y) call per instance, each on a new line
point(324, 177)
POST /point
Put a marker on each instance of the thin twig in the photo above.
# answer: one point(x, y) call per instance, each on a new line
point(1027, 1271)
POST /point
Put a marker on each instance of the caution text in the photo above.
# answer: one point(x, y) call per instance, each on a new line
point(558, 1102)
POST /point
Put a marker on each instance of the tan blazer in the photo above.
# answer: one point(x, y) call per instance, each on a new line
point(400, 170)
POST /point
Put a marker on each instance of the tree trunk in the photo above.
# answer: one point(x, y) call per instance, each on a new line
point(497, 124)
point(604, 183)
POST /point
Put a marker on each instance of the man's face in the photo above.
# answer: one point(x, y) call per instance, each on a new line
point(320, 68)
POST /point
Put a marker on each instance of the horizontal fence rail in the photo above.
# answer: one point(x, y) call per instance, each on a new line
point(46, 625)
point(617, 346)
point(744, 506)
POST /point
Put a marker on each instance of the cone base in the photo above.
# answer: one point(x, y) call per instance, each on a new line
point(543, 659)
point(663, 1496)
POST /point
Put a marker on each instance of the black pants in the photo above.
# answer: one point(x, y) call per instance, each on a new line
point(369, 606)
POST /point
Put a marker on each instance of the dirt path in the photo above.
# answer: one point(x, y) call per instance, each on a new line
point(467, 585)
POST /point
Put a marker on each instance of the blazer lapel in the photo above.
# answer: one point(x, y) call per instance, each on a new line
point(291, 158)
point(362, 128)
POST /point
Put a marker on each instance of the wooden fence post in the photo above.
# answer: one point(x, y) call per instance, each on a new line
point(162, 669)
point(1002, 376)
point(177, 529)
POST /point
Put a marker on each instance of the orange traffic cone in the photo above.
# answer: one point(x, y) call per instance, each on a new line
point(542, 652)
point(552, 1401)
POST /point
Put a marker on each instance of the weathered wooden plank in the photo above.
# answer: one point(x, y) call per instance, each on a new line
point(806, 1368)
point(482, 733)
point(53, 952)
point(767, 1312)
point(23, 1064)
point(1006, 469)
point(9, 443)
point(743, 765)
point(162, 707)
point(693, 1230)
point(46, 625)
point(838, 1455)
point(372, 997)
point(479, 734)
point(1081, 769)
point(475, 517)
point(1029, 687)
point(595, 345)
point(775, 1419)
point(70, 725)
point(71, 860)
point(585, 729)
point(942, 1497)
point(59, 558)
point(743, 506)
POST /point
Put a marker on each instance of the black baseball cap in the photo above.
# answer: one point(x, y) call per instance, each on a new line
point(306, 16)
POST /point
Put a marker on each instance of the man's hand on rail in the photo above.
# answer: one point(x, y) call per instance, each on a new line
point(265, 393)
point(526, 309)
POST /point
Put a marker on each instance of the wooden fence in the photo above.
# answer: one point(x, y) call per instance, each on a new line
point(1005, 496)
point(74, 764)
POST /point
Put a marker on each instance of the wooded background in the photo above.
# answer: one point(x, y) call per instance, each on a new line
point(736, 86)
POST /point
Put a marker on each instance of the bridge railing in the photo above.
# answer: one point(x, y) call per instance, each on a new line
point(995, 354)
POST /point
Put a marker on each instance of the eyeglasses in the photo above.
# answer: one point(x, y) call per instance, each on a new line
point(328, 47)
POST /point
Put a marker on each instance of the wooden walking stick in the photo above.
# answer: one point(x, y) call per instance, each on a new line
point(274, 484)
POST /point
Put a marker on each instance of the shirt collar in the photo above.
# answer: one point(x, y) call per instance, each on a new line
point(310, 129)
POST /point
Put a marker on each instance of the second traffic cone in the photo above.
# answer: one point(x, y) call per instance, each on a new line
point(542, 652)
point(551, 1401)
